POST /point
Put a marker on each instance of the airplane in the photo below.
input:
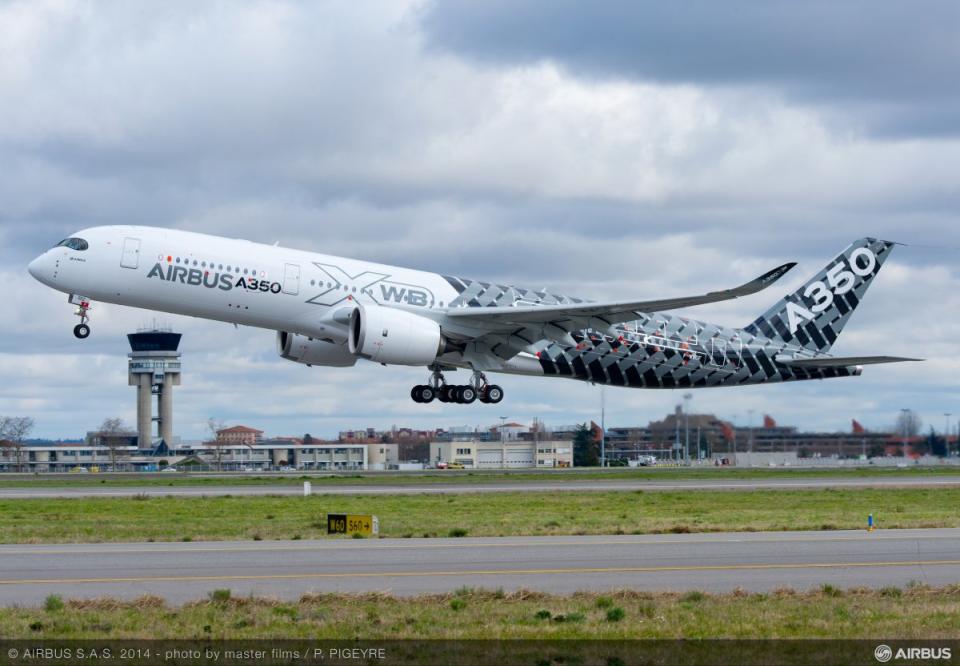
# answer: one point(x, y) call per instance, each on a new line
point(333, 311)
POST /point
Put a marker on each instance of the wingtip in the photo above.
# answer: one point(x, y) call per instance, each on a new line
point(772, 276)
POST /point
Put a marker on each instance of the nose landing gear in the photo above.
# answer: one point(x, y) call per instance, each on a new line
point(477, 389)
point(81, 330)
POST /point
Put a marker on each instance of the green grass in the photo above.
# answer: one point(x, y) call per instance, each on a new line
point(918, 613)
point(319, 480)
point(96, 519)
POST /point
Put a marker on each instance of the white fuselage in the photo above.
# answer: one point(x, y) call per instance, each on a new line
point(231, 280)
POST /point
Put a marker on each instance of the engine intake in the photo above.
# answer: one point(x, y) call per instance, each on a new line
point(310, 351)
point(394, 337)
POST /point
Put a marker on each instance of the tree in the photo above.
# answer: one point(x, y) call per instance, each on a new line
point(112, 435)
point(908, 423)
point(308, 438)
point(936, 445)
point(586, 448)
point(215, 426)
point(907, 426)
point(13, 430)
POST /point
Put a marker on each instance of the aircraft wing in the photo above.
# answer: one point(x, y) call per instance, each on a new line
point(839, 361)
point(582, 315)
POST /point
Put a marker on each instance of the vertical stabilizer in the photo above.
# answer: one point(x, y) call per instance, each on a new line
point(814, 315)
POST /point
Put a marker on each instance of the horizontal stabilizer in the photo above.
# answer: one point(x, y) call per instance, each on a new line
point(838, 361)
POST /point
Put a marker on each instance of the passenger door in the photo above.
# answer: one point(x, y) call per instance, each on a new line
point(131, 253)
point(291, 279)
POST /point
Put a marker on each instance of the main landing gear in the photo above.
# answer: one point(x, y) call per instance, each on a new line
point(81, 330)
point(477, 389)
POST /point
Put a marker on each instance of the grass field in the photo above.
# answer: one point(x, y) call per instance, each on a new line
point(456, 476)
point(914, 612)
point(498, 514)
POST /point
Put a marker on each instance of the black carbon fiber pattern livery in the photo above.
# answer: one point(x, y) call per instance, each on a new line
point(796, 318)
point(661, 350)
point(476, 294)
point(665, 351)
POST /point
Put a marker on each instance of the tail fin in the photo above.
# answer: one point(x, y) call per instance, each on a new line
point(814, 315)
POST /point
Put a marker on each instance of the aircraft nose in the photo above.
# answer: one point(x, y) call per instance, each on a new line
point(37, 267)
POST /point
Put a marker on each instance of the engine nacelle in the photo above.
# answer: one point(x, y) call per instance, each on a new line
point(310, 351)
point(394, 337)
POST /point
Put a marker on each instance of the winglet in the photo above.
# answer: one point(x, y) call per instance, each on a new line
point(770, 277)
point(757, 284)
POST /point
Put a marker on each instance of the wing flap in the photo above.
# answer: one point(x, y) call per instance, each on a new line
point(608, 312)
point(840, 361)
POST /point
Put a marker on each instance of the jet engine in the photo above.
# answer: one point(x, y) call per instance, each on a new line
point(394, 337)
point(310, 351)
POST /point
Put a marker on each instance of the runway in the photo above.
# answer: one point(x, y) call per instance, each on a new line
point(755, 561)
point(444, 488)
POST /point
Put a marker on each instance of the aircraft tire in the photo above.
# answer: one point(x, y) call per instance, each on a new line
point(467, 395)
point(494, 394)
point(415, 393)
point(427, 394)
point(82, 331)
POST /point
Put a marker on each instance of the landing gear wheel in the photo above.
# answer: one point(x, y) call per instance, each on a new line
point(449, 393)
point(81, 330)
point(493, 394)
point(415, 393)
point(466, 395)
point(427, 394)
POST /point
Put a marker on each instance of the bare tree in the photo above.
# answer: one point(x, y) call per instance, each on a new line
point(907, 426)
point(215, 426)
point(113, 436)
point(908, 423)
point(13, 430)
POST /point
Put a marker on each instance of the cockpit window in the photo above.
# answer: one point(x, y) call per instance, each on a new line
point(74, 244)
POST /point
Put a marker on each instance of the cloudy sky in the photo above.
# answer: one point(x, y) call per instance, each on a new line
point(620, 149)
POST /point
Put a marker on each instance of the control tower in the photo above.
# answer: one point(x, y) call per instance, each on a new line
point(154, 368)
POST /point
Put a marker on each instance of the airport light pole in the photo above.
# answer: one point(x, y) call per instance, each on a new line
point(946, 433)
point(686, 425)
point(750, 435)
point(603, 428)
point(903, 426)
point(503, 435)
point(736, 417)
point(676, 440)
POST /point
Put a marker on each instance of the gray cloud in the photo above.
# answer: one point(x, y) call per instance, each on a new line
point(894, 63)
point(344, 130)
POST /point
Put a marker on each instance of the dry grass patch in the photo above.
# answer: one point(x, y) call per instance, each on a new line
point(918, 612)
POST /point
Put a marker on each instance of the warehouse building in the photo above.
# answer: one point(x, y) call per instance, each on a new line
point(477, 454)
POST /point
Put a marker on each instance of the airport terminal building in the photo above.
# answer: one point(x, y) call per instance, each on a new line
point(506, 446)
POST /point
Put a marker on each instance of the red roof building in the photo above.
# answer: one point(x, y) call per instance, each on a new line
point(239, 435)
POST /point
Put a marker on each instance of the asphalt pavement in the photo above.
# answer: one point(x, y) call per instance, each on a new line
point(756, 561)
